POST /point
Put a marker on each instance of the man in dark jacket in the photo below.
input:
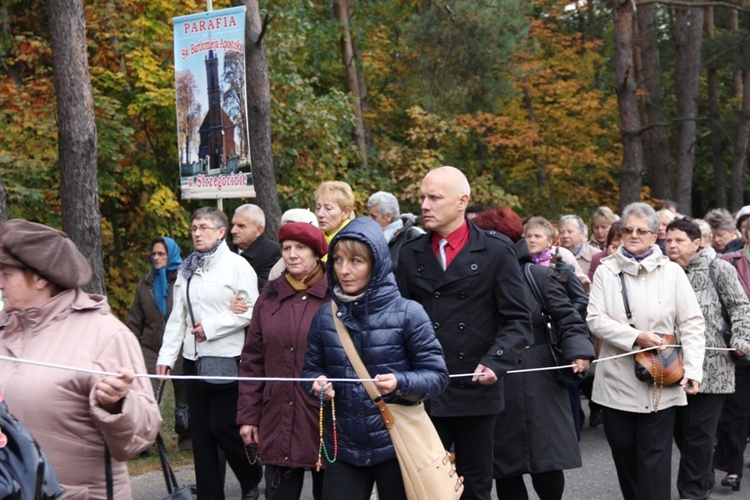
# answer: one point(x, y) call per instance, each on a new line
point(383, 208)
point(469, 282)
point(248, 225)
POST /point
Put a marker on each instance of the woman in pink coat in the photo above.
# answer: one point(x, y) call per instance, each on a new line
point(49, 318)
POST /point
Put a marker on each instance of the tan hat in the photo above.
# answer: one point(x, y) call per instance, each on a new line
point(46, 251)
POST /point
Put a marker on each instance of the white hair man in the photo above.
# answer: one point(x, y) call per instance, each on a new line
point(397, 229)
point(248, 225)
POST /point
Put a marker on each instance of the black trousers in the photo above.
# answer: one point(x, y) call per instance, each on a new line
point(472, 438)
point(641, 445)
point(215, 435)
point(694, 433)
point(731, 437)
point(285, 483)
point(349, 482)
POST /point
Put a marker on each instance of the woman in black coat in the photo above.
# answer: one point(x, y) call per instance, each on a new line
point(535, 434)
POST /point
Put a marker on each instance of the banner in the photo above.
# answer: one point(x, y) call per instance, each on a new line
point(211, 101)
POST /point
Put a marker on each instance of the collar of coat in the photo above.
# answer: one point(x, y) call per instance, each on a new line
point(617, 262)
point(55, 309)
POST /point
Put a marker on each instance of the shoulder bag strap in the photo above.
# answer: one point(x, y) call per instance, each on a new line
point(535, 289)
point(360, 368)
point(625, 300)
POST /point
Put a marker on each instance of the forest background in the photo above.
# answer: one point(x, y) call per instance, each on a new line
point(548, 106)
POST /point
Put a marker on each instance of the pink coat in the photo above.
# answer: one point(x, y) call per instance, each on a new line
point(58, 406)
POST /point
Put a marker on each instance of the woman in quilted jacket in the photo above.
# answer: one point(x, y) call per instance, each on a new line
point(394, 338)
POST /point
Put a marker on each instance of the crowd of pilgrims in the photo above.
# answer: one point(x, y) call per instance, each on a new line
point(459, 289)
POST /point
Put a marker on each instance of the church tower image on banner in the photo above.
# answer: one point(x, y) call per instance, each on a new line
point(217, 147)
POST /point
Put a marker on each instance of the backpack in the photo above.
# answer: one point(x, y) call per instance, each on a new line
point(25, 472)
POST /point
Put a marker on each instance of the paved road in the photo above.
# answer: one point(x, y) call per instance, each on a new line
point(595, 480)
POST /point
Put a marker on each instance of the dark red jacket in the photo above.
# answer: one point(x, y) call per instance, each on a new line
point(275, 346)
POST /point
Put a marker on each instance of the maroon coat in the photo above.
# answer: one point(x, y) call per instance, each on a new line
point(287, 418)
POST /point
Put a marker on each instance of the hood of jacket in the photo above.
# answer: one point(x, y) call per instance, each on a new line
point(381, 288)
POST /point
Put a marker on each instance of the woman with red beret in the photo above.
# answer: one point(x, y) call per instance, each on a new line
point(279, 417)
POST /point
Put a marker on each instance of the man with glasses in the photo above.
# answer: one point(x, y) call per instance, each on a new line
point(202, 323)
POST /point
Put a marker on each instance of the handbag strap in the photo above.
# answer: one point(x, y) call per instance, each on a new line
point(715, 283)
point(170, 479)
point(360, 368)
point(108, 473)
point(192, 316)
point(625, 301)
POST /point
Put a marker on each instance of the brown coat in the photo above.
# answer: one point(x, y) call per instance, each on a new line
point(147, 323)
point(59, 407)
point(287, 418)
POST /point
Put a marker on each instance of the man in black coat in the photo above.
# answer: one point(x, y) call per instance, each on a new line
point(248, 225)
point(469, 282)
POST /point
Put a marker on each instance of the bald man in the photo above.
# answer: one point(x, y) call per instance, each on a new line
point(471, 286)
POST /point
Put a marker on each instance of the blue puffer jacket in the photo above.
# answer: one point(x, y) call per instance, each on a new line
point(391, 334)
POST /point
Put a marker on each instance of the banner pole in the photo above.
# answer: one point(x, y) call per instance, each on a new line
point(209, 5)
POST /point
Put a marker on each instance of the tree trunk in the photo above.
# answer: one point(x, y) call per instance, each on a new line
point(79, 195)
point(688, 39)
point(656, 138)
point(734, 29)
point(259, 116)
point(630, 122)
point(3, 204)
point(741, 144)
point(714, 114)
point(342, 11)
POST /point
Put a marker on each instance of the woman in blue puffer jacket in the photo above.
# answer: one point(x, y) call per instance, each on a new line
point(394, 338)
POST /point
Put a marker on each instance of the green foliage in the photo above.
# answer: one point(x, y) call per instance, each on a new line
point(471, 46)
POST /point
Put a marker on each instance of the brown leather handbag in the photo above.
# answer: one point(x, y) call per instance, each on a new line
point(660, 368)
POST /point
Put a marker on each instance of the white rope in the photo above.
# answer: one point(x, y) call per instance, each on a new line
point(301, 379)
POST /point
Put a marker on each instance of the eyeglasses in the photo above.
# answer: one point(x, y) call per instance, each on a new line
point(201, 229)
point(641, 230)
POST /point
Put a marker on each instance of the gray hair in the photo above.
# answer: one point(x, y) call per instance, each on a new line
point(705, 232)
point(216, 216)
point(574, 219)
point(255, 212)
point(543, 224)
point(720, 218)
point(641, 211)
point(385, 203)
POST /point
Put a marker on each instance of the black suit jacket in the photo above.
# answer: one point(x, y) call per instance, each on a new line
point(262, 254)
point(478, 307)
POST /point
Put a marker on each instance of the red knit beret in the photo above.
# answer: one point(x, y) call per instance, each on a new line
point(46, 251)
point(306, 234)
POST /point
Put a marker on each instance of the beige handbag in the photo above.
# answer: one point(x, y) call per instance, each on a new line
point(426, 468)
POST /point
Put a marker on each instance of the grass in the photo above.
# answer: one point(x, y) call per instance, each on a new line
point(138, 466)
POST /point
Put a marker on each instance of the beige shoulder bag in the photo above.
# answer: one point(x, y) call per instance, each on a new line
point(426, 468)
